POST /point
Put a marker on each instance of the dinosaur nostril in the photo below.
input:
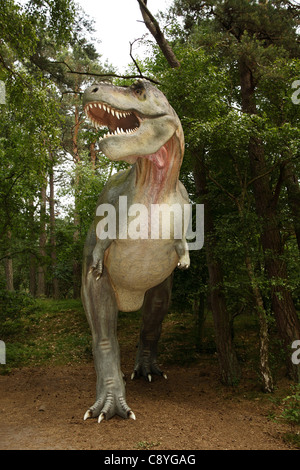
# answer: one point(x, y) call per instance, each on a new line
point(94, 90)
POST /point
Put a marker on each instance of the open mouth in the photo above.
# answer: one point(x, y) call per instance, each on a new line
point(118, 122)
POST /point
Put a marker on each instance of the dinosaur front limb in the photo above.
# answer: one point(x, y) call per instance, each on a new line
point(154, 309)
point(98, 257)
point(102, 312)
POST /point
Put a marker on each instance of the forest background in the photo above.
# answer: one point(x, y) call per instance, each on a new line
point(231, 70)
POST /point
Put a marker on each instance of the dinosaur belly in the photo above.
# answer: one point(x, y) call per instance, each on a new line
point(134, 266)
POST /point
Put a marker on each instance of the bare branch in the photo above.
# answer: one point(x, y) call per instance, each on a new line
point(114, 75)
point(105, 75)
point(133, 59)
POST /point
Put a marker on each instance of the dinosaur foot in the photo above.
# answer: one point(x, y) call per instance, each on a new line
point(147, 371)
point(108, 407)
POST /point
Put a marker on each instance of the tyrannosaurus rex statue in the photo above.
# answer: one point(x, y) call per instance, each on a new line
point(122, 272)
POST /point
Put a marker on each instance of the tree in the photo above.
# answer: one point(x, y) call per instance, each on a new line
point(32, 130)
point(253, 35)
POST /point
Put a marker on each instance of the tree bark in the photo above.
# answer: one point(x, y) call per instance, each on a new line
point(32, 257)
point(229, 366)
point(76, 263)
point(266, 376)
point(8, 266)
point(199, 314)
point(158, 35)
point(41, 271)
point(93, 154)
point(55, 286)
point(266, 207)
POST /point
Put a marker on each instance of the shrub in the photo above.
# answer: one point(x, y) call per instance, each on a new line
point(15, 308)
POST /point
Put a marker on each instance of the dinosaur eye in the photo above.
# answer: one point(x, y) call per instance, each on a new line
point(139, 90)
point(94, 90)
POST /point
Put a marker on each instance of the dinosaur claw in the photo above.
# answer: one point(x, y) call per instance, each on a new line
point(88, 414)
point(131, 415)
point(101, 417)
point(149, 377)
point(133, 375)
point(164, 376)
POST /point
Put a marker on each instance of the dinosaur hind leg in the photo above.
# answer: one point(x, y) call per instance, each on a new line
point(102, 312)
point(155, 307)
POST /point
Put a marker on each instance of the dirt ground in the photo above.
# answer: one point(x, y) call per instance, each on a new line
point(43, 408)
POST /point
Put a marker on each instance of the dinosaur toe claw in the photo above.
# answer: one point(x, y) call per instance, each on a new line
point(88, 414)
point(131, 415)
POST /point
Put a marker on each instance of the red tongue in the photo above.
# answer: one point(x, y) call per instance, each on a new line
point(158, 158)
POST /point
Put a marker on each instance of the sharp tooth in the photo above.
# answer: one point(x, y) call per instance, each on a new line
point(112, 112)
point(99, 105)
point(104, 107)
point(108, 109)
point(118, 115)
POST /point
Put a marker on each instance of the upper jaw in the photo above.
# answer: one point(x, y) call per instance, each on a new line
point(116, 120)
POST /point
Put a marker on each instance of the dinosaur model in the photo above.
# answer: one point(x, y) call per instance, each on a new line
point(128, 273)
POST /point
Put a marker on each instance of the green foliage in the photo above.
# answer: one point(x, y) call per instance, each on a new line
point(291, 403)
point(16, 308)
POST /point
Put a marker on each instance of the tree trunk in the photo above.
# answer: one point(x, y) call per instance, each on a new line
point(158, 35)
point(293, 189)
point(266, 376)
point(41, 272)
point(93, 154)
point(55, 286)
point(199, 314)
point(32, 256)
point(229, 367)
point(282, 303)
point(76, 263)
point(8, 266)
point(32, 273)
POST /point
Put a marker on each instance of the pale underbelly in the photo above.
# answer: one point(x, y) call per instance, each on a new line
point(134, 266)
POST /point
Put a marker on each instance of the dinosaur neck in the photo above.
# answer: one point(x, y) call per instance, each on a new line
point(157, 174)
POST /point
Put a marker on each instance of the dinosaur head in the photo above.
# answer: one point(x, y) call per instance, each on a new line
point(139, 119)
